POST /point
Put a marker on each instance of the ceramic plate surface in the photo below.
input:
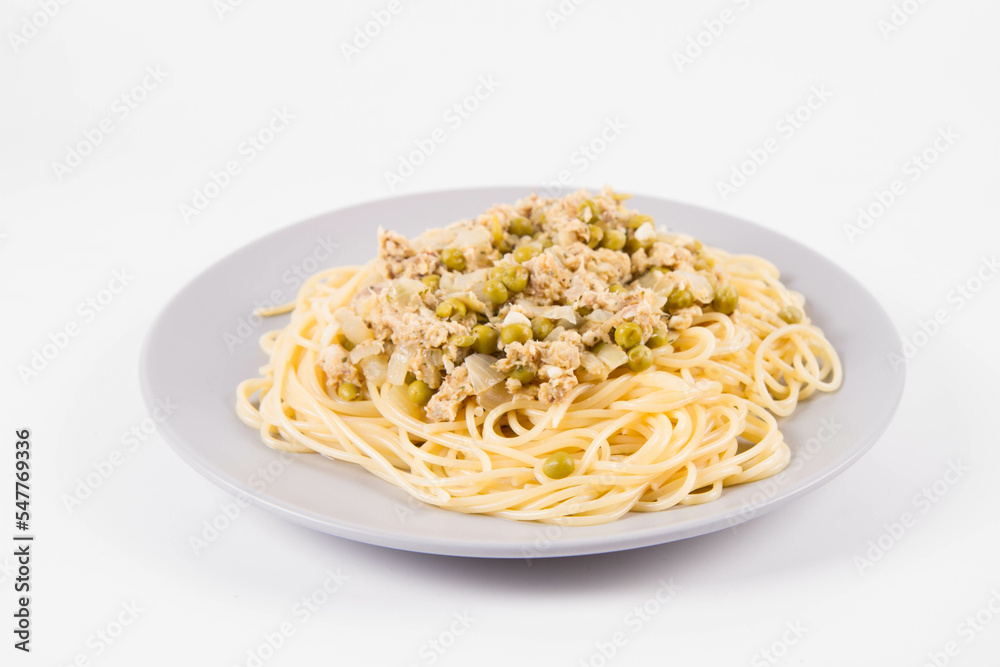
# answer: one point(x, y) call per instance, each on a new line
point(205, 342)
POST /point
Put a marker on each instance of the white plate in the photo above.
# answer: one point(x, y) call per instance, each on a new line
point(205, 342)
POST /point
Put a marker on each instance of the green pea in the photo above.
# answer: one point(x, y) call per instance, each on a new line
point(541, 328)
point(444, 309)
point(679, 298)
point(505, 246)
point(486, 339)
point(431, 281)
point(559, 465)
point(725, 300)
point(511, 333)
point(632, 244)
point(347, 391)
point(496, 231)
point(596, 235)
point(588, 205)
point(526, 252)
point(545, 241)
point(450, 308)
point(523, 374)
point(617, 288)
point(481, 318)
point(637, 221)
point(640, 358)
point(657, 339)
point(496, 291)
point(515, 278)
point(614, 239)
point(704, 264)
point(791, 314)
point(419, 392)
point(453, 259)
point(409, 378)
point(628, 335)
point(583, 311)
point(343, 341)
point(521, 227)
point(462, 340)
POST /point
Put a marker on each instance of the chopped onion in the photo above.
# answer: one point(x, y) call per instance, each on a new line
point(463, 282)
point(472, 237)
point(375, 368)
point(648, 279)
point(435, 239)
point(342, 313)
point(399, 364)
point(591, 367)
point(600, 315)
point(495, 396)
point(646, 232)
point(548, 312)
point(433, 358)
point(356, 330)
point(403, 291)
point(612, 355)
point(365, 350)
point(482, 373)
point(514, 317)
point(554, 335)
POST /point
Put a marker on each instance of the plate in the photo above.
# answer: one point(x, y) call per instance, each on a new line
point(205, 342)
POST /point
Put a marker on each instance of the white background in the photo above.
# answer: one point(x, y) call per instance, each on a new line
point(686, 126)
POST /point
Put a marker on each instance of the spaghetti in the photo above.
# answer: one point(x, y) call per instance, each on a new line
point(538, 442)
